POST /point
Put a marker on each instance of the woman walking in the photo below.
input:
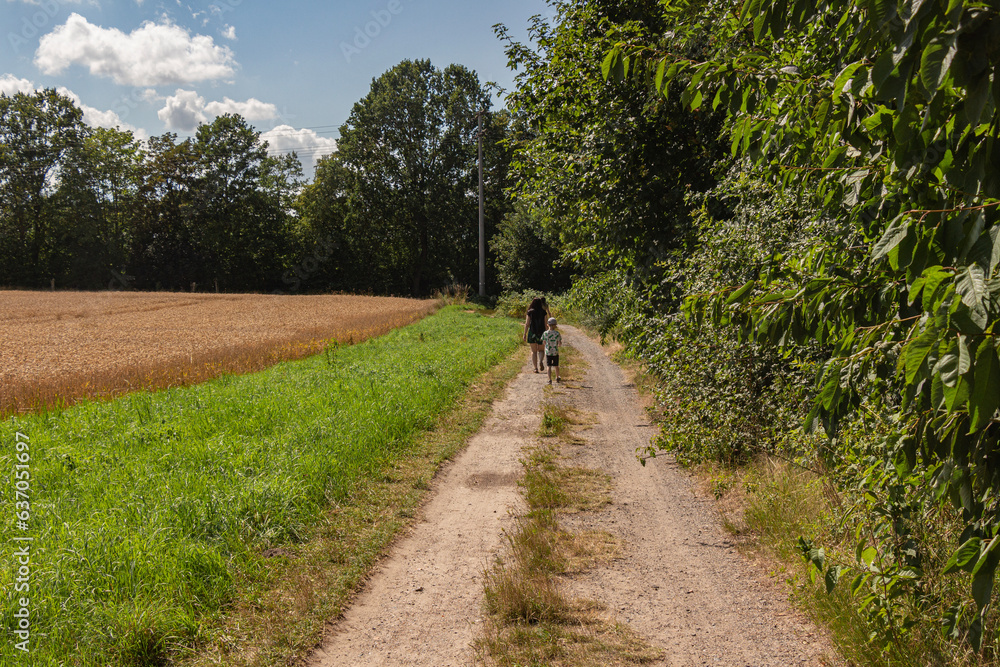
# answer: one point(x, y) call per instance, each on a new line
point(534, 327)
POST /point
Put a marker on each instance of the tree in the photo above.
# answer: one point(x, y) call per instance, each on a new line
point(96, 209)
point(39, 132)
point(610, 164)
point(242, 200)
point(165, 251)
point(350, 257)
point(215, 210)
point(408, 154)
point(527, 256)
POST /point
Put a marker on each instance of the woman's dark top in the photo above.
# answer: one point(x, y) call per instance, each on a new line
point(536, 321)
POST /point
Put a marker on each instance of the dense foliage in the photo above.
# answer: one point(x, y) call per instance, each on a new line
point(887, 115)
point(400, 196)
point(837, 265)
point(528, 256)
point(609, 166)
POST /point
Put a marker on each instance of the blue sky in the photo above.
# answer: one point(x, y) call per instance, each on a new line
point(293, 69)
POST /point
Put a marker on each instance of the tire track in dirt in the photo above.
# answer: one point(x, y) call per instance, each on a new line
point(679, 582)
point(423, 604)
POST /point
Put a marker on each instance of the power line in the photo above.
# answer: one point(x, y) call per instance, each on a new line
point(295, 133)
point(303, 151)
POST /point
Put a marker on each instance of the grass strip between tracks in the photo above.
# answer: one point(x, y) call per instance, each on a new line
point(529, 618)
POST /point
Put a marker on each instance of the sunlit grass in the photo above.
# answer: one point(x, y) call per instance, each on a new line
point(146, 511)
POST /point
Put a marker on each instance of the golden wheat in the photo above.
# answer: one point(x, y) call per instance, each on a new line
point(57, 348)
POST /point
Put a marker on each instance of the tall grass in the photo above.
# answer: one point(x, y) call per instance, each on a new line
point(147, 510)
point(770, 504)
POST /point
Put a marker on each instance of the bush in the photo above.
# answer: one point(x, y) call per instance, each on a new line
point(527, 255)
point(515, 304)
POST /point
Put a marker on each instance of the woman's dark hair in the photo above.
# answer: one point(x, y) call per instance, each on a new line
point(536, 316)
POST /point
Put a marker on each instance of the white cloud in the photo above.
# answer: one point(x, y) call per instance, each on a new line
point(186, 109)
point(252, 109)
point(10, 84)
point(308, 145)
point(229, 33)
point(154, 54)
point(183, 111)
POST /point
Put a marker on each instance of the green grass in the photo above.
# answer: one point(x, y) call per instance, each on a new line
point(147, 512)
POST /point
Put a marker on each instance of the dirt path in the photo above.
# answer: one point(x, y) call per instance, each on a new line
point(423, 604)
point(680, 582)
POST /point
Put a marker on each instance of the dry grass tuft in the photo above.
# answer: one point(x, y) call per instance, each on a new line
point(453, 295)
point(58, 348)
point(529, 620)
point(547, 485)
point(589, 640)
point(583, 551)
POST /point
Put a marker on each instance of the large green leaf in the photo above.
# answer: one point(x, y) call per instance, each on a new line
point(948, 365)
point(742, 294)
point(970, 283)
point(934, 276)
point(832, 577)
point(916, 351)
point(890, 239)
point(995, 254)
point(975, 102)
point(751, 9)
point(846, 75)
point(965, 557)
point(985, 398)
point(935, 62)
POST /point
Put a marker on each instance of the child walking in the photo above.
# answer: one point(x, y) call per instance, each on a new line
point(552, 340)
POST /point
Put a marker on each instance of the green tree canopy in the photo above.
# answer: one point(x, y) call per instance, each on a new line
point(610, 164)
point(41, 135)
point(407, 156)
point(528, 258)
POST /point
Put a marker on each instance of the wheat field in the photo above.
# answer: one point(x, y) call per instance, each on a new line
point(57, 348)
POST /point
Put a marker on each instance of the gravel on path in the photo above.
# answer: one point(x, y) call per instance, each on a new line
point(680, 582)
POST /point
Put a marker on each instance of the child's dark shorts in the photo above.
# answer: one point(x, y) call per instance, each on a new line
point(552, 360)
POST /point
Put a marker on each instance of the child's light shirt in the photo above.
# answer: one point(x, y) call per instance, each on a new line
point(551, 338)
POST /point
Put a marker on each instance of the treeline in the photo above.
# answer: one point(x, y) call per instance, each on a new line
point(91, 208)
point(393, 211)
point(788, 211)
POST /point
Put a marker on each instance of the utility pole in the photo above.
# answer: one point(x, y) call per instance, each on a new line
point(482, 221)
